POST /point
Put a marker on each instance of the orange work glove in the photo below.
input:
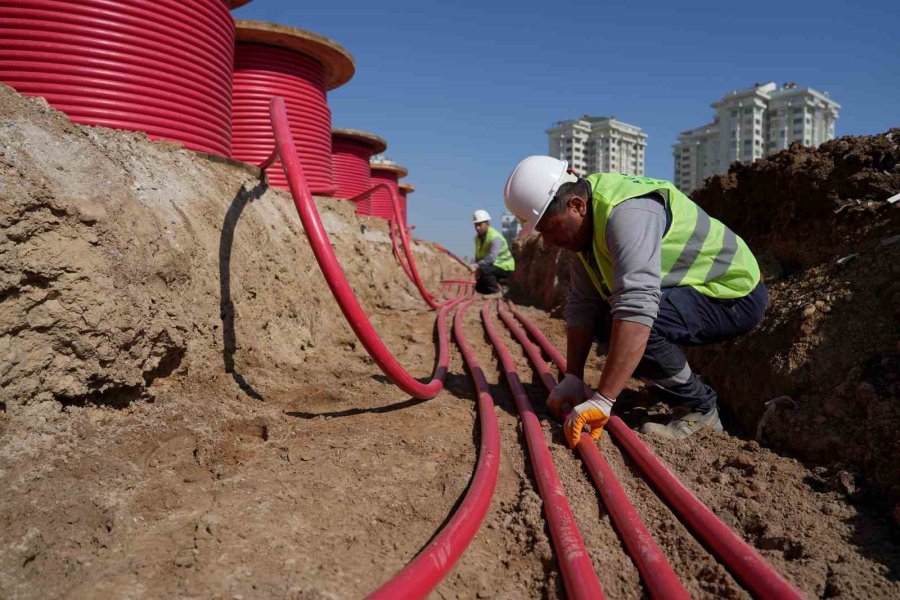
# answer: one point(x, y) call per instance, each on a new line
point(594, 413)
point(570, 391)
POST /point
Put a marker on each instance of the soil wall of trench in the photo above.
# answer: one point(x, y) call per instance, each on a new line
point(120, 262)
point(820, 378)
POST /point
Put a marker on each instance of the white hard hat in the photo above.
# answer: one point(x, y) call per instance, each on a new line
point(532, 185)
point(480, 216)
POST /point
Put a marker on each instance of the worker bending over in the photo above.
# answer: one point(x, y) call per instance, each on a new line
point(495, 262)
point(654, 271)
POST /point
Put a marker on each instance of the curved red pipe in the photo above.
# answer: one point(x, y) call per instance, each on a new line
point(655, 570)
point(744, 562)
point(334, 275)
point(555, 356)
point(163, 68)
point(454, 257)
point(413, 269)
point(433, 563)
point(575, 564)
point(397, 251)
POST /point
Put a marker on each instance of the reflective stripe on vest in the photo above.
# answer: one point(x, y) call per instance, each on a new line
point(504, 259)
point(697, 250)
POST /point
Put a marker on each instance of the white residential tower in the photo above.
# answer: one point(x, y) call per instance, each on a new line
point(750, 124)
point(599, 144)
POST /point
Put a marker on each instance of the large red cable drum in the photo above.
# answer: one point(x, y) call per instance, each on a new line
point(351, 150)
point(405, 190)
point(161, 67)
point(380, 204)
point(300, 66)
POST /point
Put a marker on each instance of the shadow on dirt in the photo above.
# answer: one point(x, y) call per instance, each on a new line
point(226, 305)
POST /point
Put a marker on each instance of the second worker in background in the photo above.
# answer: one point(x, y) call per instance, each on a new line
point(494, 262)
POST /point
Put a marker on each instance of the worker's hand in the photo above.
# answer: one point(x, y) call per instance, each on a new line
point(473, 267)
point(570, 391)
point(594, 413)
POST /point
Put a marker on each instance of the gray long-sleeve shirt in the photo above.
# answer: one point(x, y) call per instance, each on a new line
point(634, 234)
point(493, 252)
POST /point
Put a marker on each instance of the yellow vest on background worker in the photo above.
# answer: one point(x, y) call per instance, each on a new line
point(504, 259)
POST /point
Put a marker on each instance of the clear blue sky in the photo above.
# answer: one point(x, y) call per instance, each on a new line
point(462, 91)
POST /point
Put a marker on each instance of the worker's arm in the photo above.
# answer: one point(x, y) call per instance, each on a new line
point(626, 347)
point(583, 306)
point(634, 234)
point(579, 340)
point(634, 237)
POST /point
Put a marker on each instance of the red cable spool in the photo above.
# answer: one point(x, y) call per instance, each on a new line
point(163, 68)
point(405, 190)
point(351, 150)
point(300, 66)
point(379, 203)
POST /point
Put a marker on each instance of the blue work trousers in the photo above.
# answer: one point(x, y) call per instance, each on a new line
point(688, 318)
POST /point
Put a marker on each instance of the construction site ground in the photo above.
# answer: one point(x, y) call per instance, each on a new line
point(185, 412)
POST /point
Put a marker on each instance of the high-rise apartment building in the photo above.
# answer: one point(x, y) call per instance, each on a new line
point(750, 124)
point(599, 144)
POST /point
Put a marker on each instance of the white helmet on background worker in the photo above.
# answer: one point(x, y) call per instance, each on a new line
point(532, 185)
point(480, 216)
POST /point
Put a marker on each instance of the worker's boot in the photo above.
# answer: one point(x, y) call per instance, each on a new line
point(685, 426)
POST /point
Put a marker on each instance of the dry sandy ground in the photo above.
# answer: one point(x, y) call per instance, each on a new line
point(185, 413)
point(330, 481)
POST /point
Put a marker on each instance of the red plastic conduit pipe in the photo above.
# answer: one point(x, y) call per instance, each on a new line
point(655, 570)
point(334, 275)
point(396, 249)
point(433, 563)
point(454, 257)
point(299, 66)
point(351, 150)
point(404, 235)
point(163, 68)
point(574, 562)
point(747, 566)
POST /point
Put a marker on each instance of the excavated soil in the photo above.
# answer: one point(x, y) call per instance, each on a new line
point(185, 412)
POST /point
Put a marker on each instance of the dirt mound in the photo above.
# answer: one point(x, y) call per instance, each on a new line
point(120, 259)
point(802, 206)
point(542, 274)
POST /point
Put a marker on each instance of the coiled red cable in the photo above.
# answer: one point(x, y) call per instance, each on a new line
point(163, 68)
point(350, 153)
point(350, 165)
point(380, 202)
point(262, 72)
